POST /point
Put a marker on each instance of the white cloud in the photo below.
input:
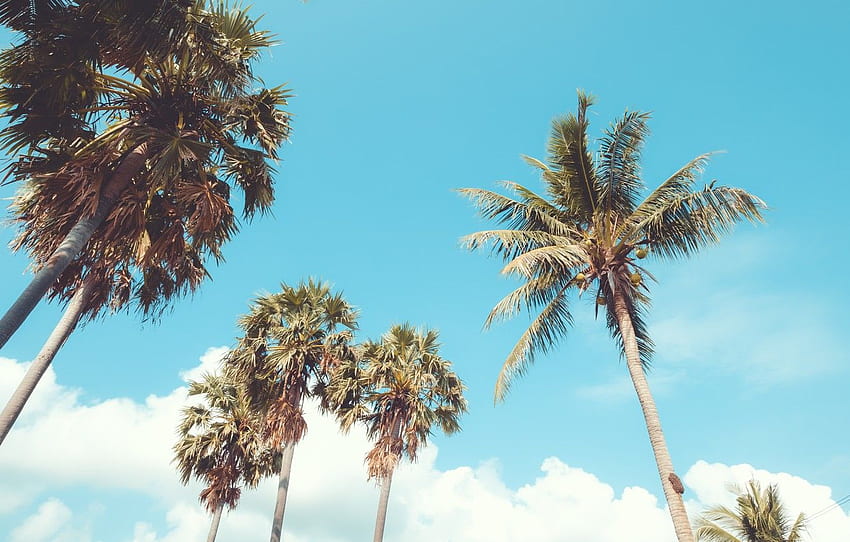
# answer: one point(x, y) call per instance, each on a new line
point(125, 444)
point(50, 523)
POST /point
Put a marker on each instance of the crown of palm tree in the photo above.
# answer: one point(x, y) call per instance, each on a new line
point(221, 442)
point(192, 113)
point(585, 233)
point(758, 517)
point(291, 342)
point(400, 388)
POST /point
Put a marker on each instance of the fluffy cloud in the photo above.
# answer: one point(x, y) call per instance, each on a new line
point(126, 445)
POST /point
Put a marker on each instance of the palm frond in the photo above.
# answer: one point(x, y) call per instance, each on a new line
point(541, 336)
point(680, 226)
point(619, 165)
point(515, 214)
point(573, 181)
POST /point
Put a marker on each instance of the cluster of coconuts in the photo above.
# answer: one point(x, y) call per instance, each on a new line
point(635, 278)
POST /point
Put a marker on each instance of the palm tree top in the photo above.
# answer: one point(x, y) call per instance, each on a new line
point(182, 90)
point(759, 516)
point(400, 388)
point(590, 228)
point(221, 442)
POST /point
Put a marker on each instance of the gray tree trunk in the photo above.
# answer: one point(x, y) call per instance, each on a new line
point(42, 361)
point(282, 490)
point(215, 521)
point(383, 502)
point(71, 246)
point(681, 524)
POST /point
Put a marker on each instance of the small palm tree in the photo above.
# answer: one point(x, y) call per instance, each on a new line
point(587, 234)
point(400, 388)
point(221, 443)
point(292, 340)
point(129, 214)
point(758, 517)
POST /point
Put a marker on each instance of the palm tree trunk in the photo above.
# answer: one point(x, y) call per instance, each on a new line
point(653, 424)
point(282, 490)
point(42, 361)
point(71, 246)
point(383, 502)
point(215, 521)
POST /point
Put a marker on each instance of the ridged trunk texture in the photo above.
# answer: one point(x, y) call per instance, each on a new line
point(282, 490)
point(215, 521)
point(71, 246)
point(383, 503)
point(653, 424)
point(42, 361)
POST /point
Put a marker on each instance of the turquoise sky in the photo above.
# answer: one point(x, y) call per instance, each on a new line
point(399, 103)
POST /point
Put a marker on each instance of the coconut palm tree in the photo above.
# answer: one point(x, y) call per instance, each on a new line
point(758, 517)
point(400, 388)
point(291, 341)
point(135, 210)
point(147, 157)
point(221, 443)
point(587, 233)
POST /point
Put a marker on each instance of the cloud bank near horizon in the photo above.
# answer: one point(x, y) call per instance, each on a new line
point(125, 445)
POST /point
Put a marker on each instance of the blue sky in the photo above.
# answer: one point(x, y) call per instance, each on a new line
point(399, 103)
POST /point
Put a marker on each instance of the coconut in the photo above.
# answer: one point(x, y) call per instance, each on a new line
point(580, 277)
point(635, 278)
point(641, 253)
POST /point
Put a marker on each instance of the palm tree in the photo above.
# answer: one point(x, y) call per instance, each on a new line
point(400, 388)
point(221, 443)
point(135, 210)
point(587, 233)
point(291, 342)
point(149, 157)
point(759, 517)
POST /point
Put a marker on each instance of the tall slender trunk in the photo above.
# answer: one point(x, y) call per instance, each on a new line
point(215, 521)
point(653, 424)
point(42, 361)
point(383, 502)
point(71, 246)
point(282, 490)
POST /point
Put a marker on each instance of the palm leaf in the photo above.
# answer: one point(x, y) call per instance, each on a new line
point(544, 332)
point(619, 165)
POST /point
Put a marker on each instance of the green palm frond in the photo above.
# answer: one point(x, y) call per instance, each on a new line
point(573, 183)
point(518, 215)
point(680, 226)
point(559, 259)
point(541, 336)
point(531, 295)
point(620, 184)
point(509, 244)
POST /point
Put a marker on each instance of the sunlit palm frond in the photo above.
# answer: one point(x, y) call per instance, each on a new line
point(542, 335)
point(509, 244)
point(557, 259)
point(516, 214)
point(680, 226)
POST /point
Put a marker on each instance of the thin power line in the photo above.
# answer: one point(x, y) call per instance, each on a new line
point(831, 507)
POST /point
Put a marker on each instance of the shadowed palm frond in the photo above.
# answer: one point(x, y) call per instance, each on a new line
point(618, 167)
point(572, 184)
